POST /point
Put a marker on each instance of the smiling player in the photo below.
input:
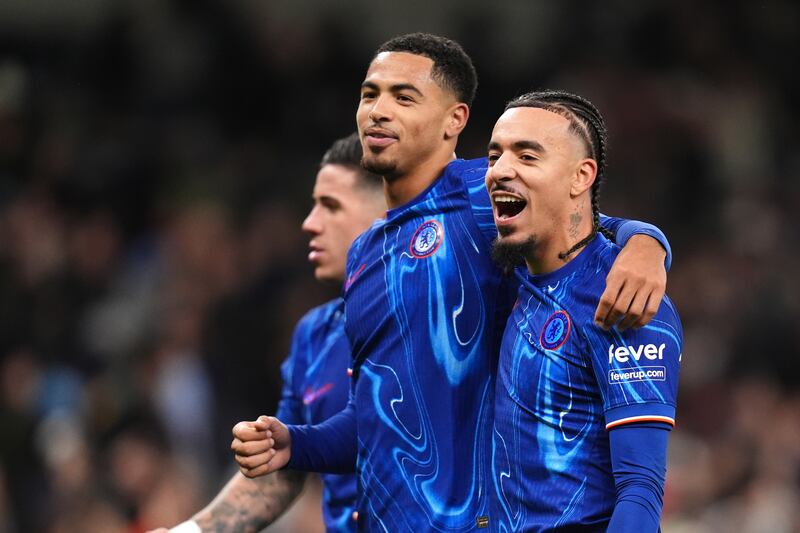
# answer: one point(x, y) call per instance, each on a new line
point(582, 414)
point(425, 309)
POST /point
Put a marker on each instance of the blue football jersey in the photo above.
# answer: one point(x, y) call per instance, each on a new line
point(562, 384)
point(316, 386)
point(425, 310)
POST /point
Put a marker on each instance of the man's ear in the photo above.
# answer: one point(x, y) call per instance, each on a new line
point(584, 176)
point(456, 120)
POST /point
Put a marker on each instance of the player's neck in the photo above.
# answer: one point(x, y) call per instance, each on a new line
point(402, 189)
point(547, 256)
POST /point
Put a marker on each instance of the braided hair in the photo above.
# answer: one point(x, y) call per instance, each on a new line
point(587, 123)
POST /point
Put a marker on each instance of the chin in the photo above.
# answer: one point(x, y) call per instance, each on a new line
point(509, 235)
point(327, 277)
point(509, 253)
point(378, 165)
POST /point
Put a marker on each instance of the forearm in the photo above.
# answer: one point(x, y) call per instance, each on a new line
point(249, 505)
point(624, 229)
point(330, 447)
point(638, 457)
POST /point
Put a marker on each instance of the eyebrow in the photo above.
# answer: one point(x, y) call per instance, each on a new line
point(520, 145)
point(396, 88)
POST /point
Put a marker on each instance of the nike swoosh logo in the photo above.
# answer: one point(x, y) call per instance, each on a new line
point(353, 277)
point(312, 395)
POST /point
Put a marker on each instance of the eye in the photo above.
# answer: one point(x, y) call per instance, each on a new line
point(493, 157)
point(528, 157)
point(367, 95)
point(405, 99)
point(330, 204)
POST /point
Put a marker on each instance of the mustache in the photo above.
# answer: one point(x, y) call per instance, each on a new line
point(501, 187)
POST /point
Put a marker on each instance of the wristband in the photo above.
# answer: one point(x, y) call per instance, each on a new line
point(190, 526)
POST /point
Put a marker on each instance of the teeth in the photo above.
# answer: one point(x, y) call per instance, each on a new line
point(506, 199)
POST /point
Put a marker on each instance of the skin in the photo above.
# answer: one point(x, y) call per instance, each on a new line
point(534, 158)
point(409, 127)
point(637, 281)
point(408, 124)
point(343, 208)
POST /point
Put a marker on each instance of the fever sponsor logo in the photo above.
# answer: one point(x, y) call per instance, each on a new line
point(555, 331)
point(643, 373)
point(624, 354)
point(426, 239)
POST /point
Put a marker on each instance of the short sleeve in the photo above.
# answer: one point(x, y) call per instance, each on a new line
point(637, 370)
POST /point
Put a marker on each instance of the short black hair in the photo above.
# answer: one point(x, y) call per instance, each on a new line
point(347, 152)
point(586, 122)
point(452, 67)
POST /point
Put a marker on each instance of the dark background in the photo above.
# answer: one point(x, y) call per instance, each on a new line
point(156, 160)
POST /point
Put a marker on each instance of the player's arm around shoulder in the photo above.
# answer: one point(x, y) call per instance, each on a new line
point(637, 280)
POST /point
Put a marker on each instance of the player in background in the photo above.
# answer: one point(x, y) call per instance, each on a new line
point(582, 414)
point(315, 381)
point(426, 308)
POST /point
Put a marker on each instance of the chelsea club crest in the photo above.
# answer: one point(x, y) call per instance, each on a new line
point(426, 239)
point(555, 331)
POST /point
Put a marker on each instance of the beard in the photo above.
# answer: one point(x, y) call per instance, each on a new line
point(386, 169)
point(510, 255)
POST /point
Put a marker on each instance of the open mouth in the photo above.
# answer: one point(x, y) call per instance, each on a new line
point(507, 206)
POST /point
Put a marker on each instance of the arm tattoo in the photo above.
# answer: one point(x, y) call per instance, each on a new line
point(249, 505)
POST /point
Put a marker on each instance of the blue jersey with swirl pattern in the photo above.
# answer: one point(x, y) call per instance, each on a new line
point(425, 310)
point(316, 386)
point(562, 384)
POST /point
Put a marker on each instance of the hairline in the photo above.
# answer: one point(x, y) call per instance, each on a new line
point(435, 72)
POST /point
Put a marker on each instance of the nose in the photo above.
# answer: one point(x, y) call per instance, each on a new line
point(380, 110)
point(501, 170)
point(312, 223)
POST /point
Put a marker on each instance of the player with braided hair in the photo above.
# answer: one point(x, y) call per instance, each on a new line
point(587, 122)
point(425, 309)
point(582, 414)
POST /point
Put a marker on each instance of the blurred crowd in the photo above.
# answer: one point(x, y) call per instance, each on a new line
point(156, 160)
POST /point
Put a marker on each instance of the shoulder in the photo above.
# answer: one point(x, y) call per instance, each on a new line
point(586, 282)
point(355, 250)
point(470, 175)
point(601, 264)
point(470, 171)
point(321, 317)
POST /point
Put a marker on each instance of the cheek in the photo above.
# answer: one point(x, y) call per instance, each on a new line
point(361, 110)
point(423, 125)
point(341, 237)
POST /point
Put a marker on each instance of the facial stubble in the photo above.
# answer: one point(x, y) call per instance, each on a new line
point(510, 255)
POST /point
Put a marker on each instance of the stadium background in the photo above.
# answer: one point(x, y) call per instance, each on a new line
point(156, 159)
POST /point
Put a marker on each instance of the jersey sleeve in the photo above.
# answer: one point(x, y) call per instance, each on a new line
point(290, 406)
point(639, 463)
point(637, 370)
point(624, 229)
point(329, 447)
